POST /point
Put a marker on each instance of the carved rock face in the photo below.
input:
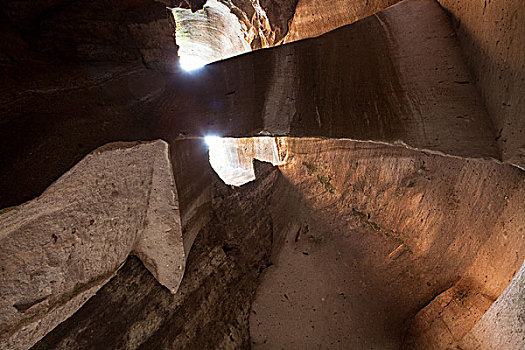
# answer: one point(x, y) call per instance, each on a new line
point(397, 190)
point(59, 249)
point(371, 240)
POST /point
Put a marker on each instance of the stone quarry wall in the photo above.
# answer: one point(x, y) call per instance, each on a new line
point(313, 18)
point(116, 31)
point(386, 83)
point(492, 36)
point(399, 76)
point(59, 249)
point(501, 327)
point(212, 305)
point(78, 75)
point(378, 226)
point(381, 240)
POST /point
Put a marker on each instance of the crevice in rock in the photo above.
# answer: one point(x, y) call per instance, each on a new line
point(24, 306)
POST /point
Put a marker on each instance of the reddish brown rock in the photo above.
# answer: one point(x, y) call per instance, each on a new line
point(399, 76)
point(313, 17)
point(502, 326)
point(493, 41)
point(367, 234)
point(394, 226)
point(364, 234)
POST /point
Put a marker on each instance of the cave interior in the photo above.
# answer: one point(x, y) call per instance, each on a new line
point(262, 174)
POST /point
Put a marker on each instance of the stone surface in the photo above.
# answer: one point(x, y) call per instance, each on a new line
point(429, 230)
point(493, 41)
point(502, 326)
point(232, 158)
point(116, 31)
point(280, 13)
point(223, 29)
point(53, 118)
point(266, 22)
point(208, 35)
point(59, 249)
point(399, 76)
point(366, 235)
point(212, 306)
point(316, 17)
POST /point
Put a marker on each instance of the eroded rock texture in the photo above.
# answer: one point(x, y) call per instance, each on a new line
point(368, 235)
point(60, 248)
point(313, 18)
point(208, 35)
point(399, 76)
point(211, 308)
point(493, 40)
point(363, 245)
point(394, 225)
point(502, 326)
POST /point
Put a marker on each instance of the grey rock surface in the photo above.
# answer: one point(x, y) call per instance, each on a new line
point(503, 325)
point(60, 248)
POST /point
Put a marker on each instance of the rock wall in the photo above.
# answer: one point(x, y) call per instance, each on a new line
point(208, 35)
point(368, 235)
point(60, 248)
point(492, 34)
point(313, 18)
point(212, 305)
point(501, 327)
point(399, 77)
point(114, 31)
point(351, 235)
point(78, 75)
